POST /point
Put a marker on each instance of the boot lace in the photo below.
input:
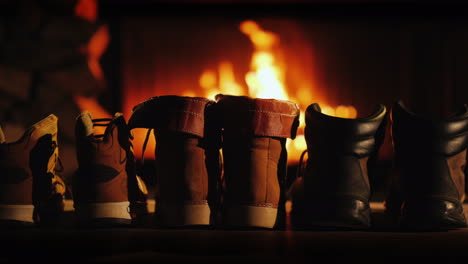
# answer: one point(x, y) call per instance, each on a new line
point(302, 165)
point(145, 143)
point(101, 122)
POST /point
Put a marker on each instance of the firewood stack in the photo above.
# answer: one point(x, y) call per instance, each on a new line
point(46, 60)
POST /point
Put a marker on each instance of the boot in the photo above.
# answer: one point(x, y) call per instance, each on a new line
point(430, 158)
point(336, 181)
point(182, 185)
point(30, 189)
point(255, 159)
point(106, 190)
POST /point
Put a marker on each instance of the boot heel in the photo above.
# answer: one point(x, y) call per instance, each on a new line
point(185, 215)
point(432, 214)
point(17, 212)
point(343, 213)
point(103, 213)
point(251, 216)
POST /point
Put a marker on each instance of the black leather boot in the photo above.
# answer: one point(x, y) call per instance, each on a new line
point(336, 181)
point(430, 157)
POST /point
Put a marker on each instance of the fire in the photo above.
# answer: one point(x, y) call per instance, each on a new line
point(266, 79)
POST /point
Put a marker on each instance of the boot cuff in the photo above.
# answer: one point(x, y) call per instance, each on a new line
point(357, 136)
point(259, 117)
point(447, 136)
point(173, 113)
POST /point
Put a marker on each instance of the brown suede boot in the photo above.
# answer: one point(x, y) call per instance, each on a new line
point(428, 190)
point(106, 190)
point(254, 155)
point(30, 189)
point(336, 182)
point(182, 185)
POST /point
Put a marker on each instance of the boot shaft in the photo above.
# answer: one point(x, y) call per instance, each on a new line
point(30, 188)
point(254, 152)
point(102, 160)
point(430, 154)
point(182, 155)
point(339, 152)
point(181, 168)
point(179, 129)
point(336, 185)
point(254, 170)
point(29, 163)
point(254, 133)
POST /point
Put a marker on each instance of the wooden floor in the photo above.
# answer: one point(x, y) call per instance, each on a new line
point(69, 244)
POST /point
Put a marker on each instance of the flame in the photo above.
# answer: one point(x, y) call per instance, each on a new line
point(223, 81)
point(266, 79)
point(87, 9)
point(345, 111)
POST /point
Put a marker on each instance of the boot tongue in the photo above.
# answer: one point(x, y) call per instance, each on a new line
point(85, 124)
point(2, 136)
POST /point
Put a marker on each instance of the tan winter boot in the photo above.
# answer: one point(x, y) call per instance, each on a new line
point(428, 189)
point(182, 183)
point(255, 158)
point(106, 190)
point(30, 190)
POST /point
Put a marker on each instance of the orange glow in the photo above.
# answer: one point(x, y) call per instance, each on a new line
point(249, 27)
point(97, 45)
point(328, 110)
point(345, 111)
point(352, 112)
point(139, 134)
point(208, 80)
point(341, 111)
point(91, 105)
point(227, 81)
point(265, 78)
point(260, 38)
point(87, 9)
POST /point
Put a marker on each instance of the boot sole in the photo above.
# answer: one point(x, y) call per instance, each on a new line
point(17, 212)
point(250, 216)
point(338, 213)
point(101, 214)
point(433, 215)
point(185, 215)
